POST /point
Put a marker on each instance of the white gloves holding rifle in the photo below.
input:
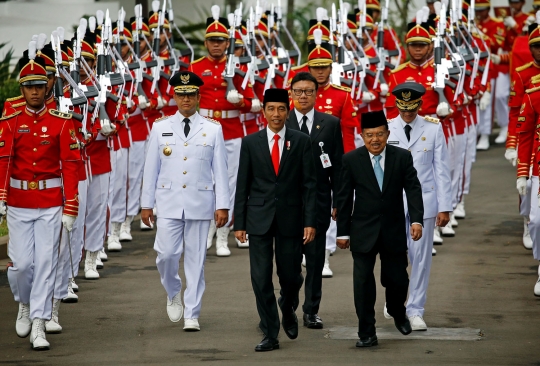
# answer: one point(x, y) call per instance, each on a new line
point(234, 97)
point(68, 222)
point(511, 156)
point(521, 186)
point(485, 101)
point(443, 109)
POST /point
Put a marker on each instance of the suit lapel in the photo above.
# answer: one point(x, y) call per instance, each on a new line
point(417, 131)
point(265, 149)
point(388, 167)
point(177, 126)
point(196, 126)
point(286, 150)
point(317, 126)
point(293, 121)
point(398, 134)
point(368, 166)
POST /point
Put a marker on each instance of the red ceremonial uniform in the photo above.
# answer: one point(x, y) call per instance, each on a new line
point(214, 96)
point(35, 148)
point(527, 128)
point(513, 33)
point(495, 30)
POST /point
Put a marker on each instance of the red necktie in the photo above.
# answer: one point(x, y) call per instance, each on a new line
point(275, 153)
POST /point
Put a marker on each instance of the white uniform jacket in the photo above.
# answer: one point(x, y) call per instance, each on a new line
point(430, 159)
point(180, 172)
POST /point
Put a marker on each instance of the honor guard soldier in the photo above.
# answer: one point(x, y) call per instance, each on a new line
point(39, 159)
point(424, 138)
point(185, 178)
point(223, 106)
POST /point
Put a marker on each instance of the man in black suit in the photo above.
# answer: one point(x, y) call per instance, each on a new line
point(327, 146)
point(276, 200)
point(372, 182)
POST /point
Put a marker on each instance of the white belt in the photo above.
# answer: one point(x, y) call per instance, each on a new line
point(219, 114)
point(41, 184)
point(247, 116)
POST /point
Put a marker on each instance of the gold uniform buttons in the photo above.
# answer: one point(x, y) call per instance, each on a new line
point(185, 172)
point(35, 134)
point(34, 164)
point(185, 144)
point(204, 144)
point(185, 158)
point(205, 187)
point(425, 149)
point(184, 186)
point(35, 149)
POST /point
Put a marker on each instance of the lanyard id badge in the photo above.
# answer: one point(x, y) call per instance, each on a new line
point(325, 159)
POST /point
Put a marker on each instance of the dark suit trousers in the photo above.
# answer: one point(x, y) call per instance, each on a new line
point(315, 253)
point(394, 278)
point(288, 252)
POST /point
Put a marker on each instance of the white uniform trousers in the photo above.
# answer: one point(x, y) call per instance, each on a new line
point(96, 212)
point(452, 153)
point(118, 187)
point(420, 259)
point(485, 117)
point(502, 93)
point(470, 155)
point(460, 145)
point(174, 237)
point(34, 238)
point(68, 265)
point(135, 174)
point(233, 161)
point(525, 201)
point(534, 224)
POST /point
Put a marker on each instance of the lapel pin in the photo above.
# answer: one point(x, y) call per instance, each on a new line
point(288, 145)
point(318, 126)
point(423, 138)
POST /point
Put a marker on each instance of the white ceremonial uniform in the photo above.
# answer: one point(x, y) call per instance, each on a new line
point(118, 186)
point(135, 173)
point(428, 149)
point(178, 180)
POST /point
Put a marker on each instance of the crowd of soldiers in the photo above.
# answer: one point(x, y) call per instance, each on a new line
point(107, 86)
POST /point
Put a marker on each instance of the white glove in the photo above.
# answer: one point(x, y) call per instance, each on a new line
point(256, 105)
point(384, 90)
point(129, 103)
point(443, 109)
point(68, 222)
point(509, 22)
point(234, 97)
point(143, 103)
point(160, 103)
point(485, 101)
point(521, 186)
point(496, 59)
point(107, 129)
point(3, 208)
point(511, 156)
point(368, 97)
point(530, 20)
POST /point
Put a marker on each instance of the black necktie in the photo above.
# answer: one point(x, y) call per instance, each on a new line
point(186, 126)
point(304, 128)
point(408, 129)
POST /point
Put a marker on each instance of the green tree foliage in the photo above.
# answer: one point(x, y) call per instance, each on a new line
point(9, 86)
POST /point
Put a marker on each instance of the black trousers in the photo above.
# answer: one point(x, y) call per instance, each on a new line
point(394, 278)
point(288, 252)
point(315, 253)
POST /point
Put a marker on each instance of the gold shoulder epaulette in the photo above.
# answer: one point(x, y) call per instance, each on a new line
point(10, 116)
point(400, 67)
point(63, 115)
point(390, 120)
point(523, 67)
point(18, 105)
point(294, 68)
point(498, 20)
point(197, 60)
point(532, 90)
point(161, 119)
point(344, 88)
point(432, 119)
point(212, 120)
point(14, 98)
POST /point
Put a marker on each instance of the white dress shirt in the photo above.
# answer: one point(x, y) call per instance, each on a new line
point(191, 120)
point(310, 116)
point(381, 162)
point(281, 141)
point(403, 123)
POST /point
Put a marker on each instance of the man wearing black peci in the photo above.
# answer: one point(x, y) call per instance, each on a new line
point(276, 200)
point(372, 182)
point(327, 146)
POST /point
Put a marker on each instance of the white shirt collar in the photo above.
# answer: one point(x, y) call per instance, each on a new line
point(412, 124)
point(270, 134)
point(310, 115)
point(382, 154)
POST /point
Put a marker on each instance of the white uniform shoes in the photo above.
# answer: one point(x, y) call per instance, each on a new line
point(74, 286)
point(453, 220)
point(145, 227)
point(326, 271)
point(537, 288)
point(175, 310)
point(71, 296)
point(103, 256)
point(99, 262)
point(459, 212)
point(437, 239)
point(433, 251)
point(191, 325)
point(113, 241)
point(125, 229)
point(385, 311)
point(23, 325)
point(211, 233)
point(53, 326)
point(417, 323)
point(483, 143)
point(222, 242)
point(90, 266)
point(37, 336)
point(501, 139)
point(447, 231)
point(303, 260)
point(527, 241)
point(242, 245)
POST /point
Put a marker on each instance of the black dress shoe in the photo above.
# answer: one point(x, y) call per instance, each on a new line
point(403, 325)
point(267, 344)
point(313, 321)
point(290, 324)
point(367, 341)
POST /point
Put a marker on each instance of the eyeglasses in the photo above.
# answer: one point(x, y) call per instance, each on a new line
point(372, 135)
point(186, 96)
point(307, 92)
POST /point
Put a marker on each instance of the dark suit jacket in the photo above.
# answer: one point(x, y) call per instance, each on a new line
point(261, 196)
point(378, 213)
point(325, 129)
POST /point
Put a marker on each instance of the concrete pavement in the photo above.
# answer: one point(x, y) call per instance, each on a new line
point(481, 279)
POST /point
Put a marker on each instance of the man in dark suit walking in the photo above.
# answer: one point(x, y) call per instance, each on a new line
point(276, 200)
point(371, 221)
point(327, 146)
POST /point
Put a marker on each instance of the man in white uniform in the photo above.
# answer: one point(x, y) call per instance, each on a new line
point(186, 154)
point(424, 138)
